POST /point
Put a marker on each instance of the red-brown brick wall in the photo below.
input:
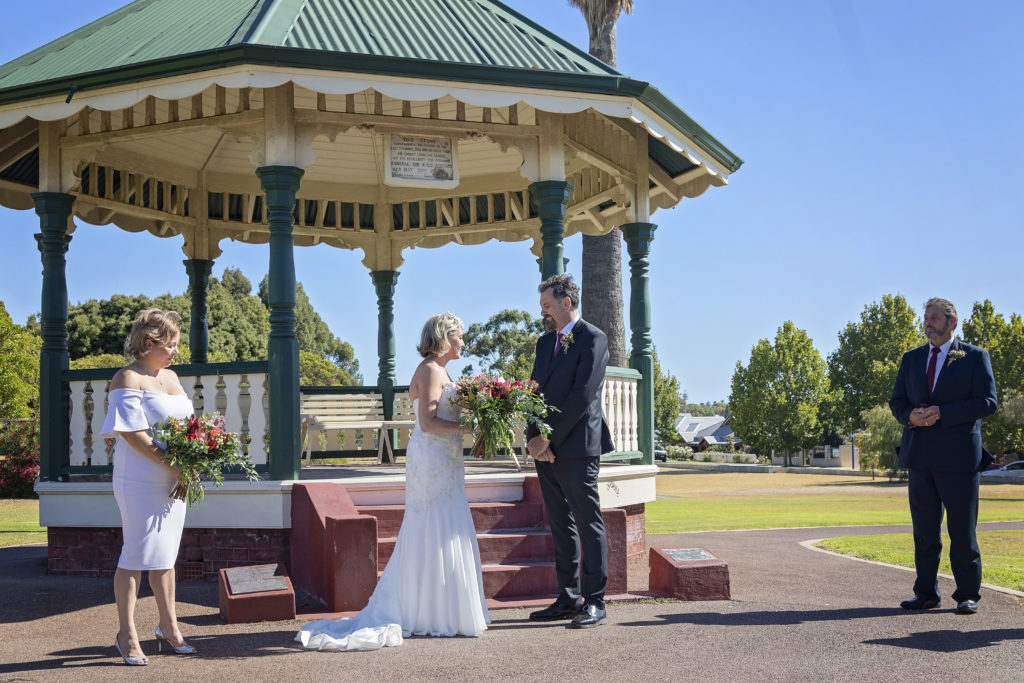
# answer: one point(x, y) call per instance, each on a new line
point(94, 551)
point(636, 534)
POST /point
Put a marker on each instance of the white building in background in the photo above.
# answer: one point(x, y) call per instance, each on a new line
point(700, 433)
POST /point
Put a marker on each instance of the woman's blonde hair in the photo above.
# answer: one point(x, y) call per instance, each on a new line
point(434, 338)
point(151, 323)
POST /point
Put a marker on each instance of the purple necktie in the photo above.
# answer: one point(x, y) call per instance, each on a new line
point(931, 370)
point(558, 343)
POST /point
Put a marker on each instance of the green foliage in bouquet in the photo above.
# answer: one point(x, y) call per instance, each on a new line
point(495, 407)
point(200, 448)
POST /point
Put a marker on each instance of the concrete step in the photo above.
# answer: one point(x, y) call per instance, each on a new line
point(534, 580)
point(522, 580)
point(486, 516)
point(496, 547)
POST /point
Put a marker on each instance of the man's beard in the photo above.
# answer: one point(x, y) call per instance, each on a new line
point(549, 324)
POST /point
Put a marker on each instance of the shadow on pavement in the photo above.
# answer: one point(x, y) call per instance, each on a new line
point(38, 595)
point(228, 646)
point(950, 640)
point(777, 618)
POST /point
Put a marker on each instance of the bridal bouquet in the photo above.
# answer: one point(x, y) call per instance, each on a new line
point(200, 447)
point(495, 407)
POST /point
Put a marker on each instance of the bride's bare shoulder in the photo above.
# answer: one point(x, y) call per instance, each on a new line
point(427, 375)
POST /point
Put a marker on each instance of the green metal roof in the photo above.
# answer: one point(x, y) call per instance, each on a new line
point(481, 32)
point(471, 41)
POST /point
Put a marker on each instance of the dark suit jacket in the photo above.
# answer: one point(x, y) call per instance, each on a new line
point(571, 381)
point(965, 392)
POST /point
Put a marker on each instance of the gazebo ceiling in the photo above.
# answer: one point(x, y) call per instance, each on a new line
point(160, 114)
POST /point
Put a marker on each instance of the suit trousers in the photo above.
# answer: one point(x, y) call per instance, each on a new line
point(929, 492)
point(569, 488)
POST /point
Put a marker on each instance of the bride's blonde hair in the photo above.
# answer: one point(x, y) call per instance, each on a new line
point(434, 337)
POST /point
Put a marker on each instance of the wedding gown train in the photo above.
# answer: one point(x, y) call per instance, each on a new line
point(432, 584)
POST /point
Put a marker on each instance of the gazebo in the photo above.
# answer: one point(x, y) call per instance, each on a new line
point(359, 124)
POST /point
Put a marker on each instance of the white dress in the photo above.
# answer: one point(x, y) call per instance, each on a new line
point(432, 584)
point(151, 521)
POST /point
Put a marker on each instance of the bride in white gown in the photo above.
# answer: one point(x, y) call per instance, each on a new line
point(432, 584)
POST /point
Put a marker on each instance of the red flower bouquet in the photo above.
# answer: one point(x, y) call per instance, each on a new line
point(495, 407)
point(200, 447)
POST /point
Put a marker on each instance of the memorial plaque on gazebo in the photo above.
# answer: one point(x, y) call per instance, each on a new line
point(257, 579)
point(421, 161)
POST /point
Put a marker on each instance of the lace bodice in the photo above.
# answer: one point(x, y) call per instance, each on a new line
point(434, 464)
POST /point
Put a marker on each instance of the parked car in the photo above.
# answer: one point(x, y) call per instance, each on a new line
point(660, 455)
point(1015, 469)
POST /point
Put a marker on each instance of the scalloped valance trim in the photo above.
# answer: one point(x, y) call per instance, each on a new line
point(113, 99)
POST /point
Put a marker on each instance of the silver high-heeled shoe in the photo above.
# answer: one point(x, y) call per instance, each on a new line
point(129, 660)
point(185, 648)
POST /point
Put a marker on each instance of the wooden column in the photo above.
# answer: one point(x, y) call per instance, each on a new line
point(638, 242)
point(280, 184)
point(198, 332)
point(54, 209)
point(551, 196)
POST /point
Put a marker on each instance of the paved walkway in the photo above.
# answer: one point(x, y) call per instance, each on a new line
point(796, 614)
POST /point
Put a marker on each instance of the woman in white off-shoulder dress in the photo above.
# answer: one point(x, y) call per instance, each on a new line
point(141, 394)
point(432, 584)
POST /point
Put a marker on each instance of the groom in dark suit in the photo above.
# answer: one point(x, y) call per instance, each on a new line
point(569, 367)
point(942, 391)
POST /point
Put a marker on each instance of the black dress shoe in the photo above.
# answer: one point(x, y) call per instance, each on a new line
point(557, 610)
point(920, 603)
point(967, 607)
point(591, 615)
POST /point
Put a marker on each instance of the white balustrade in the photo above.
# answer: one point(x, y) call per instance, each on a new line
point(620, 410)
point(240, 398)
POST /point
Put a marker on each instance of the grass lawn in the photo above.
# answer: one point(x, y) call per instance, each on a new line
point(1002, 553)
point(700, 501)
point(19, 522)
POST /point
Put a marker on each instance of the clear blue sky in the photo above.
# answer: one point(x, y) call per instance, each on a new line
point(882, 143)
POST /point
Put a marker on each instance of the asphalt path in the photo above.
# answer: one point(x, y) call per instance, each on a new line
point(795, 614)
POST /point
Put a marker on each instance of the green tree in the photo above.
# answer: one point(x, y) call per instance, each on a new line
point(878, 441)
point(316, 338)
point(863, 367)
point(776, 398)
point(666, 403)
point(239, 322)
point(19, 368)
point(1004, 341)
point(703, 409)
point(239, 329)
point(504, 345)
point(602, 255)
point(103, 360)
point(319, 371)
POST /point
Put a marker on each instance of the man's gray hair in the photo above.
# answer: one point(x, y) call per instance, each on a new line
point(945, 304)
point(562, 286)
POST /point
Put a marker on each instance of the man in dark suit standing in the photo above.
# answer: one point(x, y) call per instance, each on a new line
point(942, 391)
point(569, 367)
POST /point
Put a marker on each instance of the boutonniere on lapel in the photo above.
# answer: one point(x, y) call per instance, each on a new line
point(954, 355)
point(567, 341)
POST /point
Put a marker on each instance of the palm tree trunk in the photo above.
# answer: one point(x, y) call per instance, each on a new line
point(601, 294)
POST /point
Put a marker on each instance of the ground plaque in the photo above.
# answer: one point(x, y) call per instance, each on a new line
point(689, 574)
point(257, 579)
point(256, 593)
point(688, 554)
